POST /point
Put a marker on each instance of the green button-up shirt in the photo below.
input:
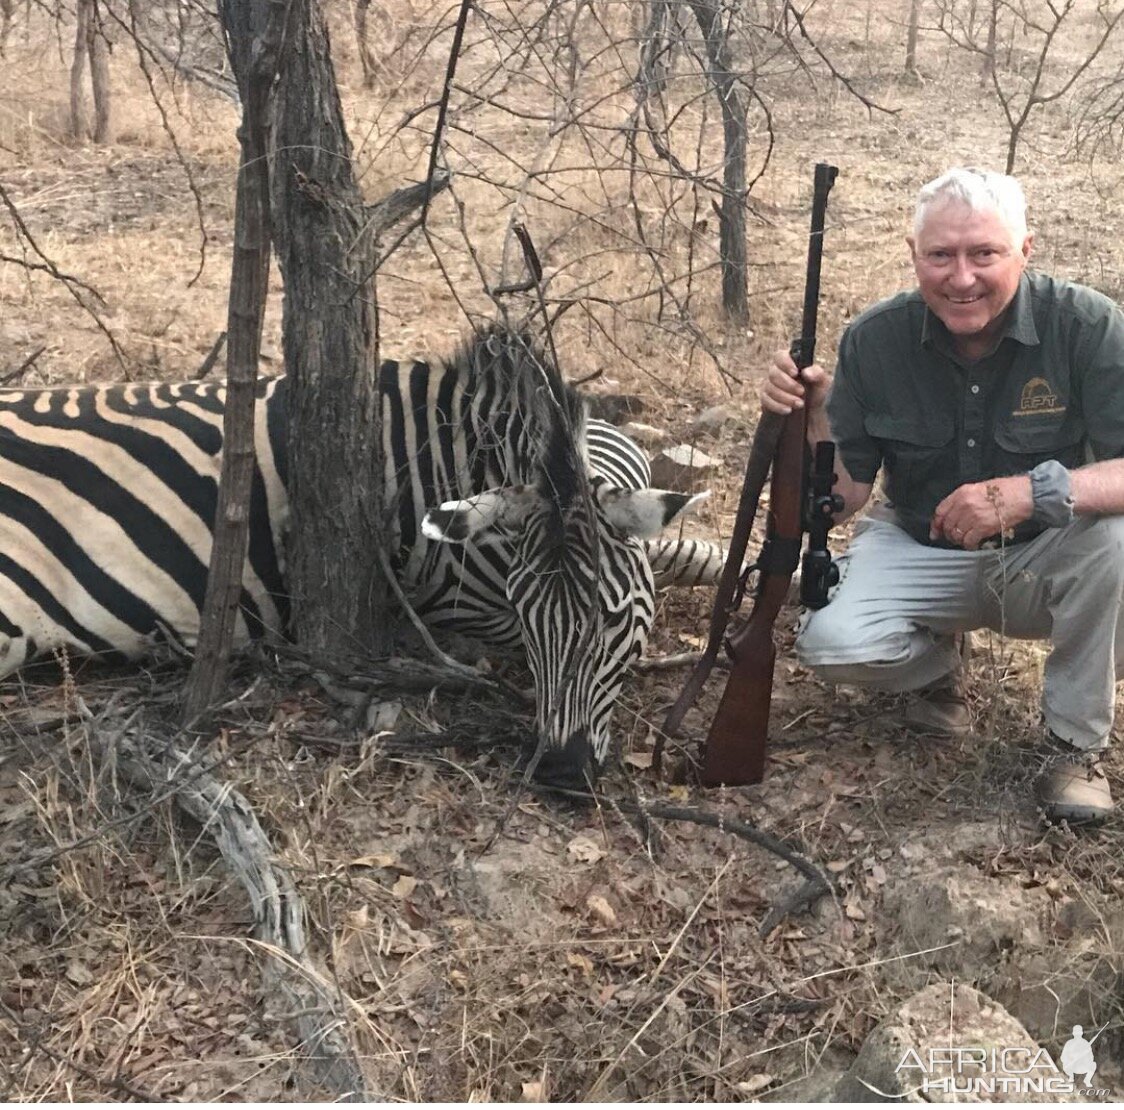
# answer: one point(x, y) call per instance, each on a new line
point(905, 402)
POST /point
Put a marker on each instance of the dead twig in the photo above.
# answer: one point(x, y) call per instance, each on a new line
point(68, 281)
point(816, 884)
point(12, 375)
point(33, 1040)
point(212, 357)
point(675, 661)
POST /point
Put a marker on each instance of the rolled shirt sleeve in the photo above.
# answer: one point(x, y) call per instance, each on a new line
point(861, 453)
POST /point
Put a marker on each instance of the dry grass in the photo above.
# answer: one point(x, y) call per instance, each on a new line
point(546, 952)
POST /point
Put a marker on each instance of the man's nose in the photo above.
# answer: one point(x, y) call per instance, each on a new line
point(963, 274)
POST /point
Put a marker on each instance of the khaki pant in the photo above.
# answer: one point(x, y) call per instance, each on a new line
point(891, 619)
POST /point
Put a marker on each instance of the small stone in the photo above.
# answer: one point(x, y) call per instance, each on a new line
point(382, 715)
point(713, 419)
point(682, 467)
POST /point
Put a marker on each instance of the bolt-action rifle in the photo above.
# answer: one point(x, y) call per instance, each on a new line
point(800, 500)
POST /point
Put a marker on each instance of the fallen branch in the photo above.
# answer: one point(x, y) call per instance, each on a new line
point(154, 764)
point(816, 882)
point(212, 357)
point(673, 662)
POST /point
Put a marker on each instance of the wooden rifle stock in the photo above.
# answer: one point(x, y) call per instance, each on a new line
point(761, 454)
point(735, 745)
point(735, 748)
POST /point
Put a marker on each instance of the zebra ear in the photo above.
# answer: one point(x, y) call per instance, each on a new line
point(644, 513)
point(457, 521)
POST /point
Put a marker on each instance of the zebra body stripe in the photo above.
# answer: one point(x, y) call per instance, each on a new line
point(107, 496)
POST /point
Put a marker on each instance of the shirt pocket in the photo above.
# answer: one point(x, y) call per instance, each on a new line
point(906, 438)
point(1025, 442)
point(915, 451)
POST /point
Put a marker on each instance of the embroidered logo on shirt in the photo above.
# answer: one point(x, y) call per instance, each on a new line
point(1038, 399)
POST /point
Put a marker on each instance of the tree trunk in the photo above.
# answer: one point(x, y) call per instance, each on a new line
point(78, 129)
point(330, 324)
point(6, 7)
point(731, 99)
point(99, 77)
point(987, 68)
point(366, 58)
point(911, 39)
point(255, 64)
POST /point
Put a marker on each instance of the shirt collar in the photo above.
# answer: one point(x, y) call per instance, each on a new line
point(1020, 322)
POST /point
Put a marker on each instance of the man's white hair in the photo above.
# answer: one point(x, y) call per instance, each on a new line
point(981, 191)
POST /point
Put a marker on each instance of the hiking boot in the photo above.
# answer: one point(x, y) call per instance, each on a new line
point(1072, 786)
point(940, 709)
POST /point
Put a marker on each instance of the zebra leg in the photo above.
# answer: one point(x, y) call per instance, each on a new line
point(685, 563)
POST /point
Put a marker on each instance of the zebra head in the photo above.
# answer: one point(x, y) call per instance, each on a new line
point(582, 590)
point(576, 576)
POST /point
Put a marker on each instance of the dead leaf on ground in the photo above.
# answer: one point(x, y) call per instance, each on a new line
point(535, 1091)
point(754, 1083)
point(585, 849)
point(600, 906)
point(404, 887)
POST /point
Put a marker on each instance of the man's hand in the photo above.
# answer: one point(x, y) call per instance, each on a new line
point(783, 390)
point(975, 512)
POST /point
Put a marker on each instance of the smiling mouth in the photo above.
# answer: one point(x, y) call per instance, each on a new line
point(965, 300)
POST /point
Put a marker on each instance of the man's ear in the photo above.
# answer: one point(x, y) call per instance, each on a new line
point(457, 521)
point(912, 244)
point(1028, 246)
point(644, 513)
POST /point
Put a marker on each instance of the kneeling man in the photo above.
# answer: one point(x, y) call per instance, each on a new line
point(992, 399)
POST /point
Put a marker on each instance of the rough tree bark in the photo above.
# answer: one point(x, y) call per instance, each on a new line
point(732, 101)
point(99, 77)
point(253, 30)
point(325, 250)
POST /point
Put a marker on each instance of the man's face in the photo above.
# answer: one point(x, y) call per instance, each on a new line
point(968, 270)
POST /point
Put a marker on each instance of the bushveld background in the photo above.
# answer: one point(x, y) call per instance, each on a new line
point(489, 944)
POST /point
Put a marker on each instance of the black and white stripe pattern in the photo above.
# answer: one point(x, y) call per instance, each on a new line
point(107, 495)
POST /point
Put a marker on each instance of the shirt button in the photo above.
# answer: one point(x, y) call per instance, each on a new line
point(975, 389)
point(971, 443)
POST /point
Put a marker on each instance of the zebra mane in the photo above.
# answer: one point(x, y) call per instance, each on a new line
point(512, 368)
